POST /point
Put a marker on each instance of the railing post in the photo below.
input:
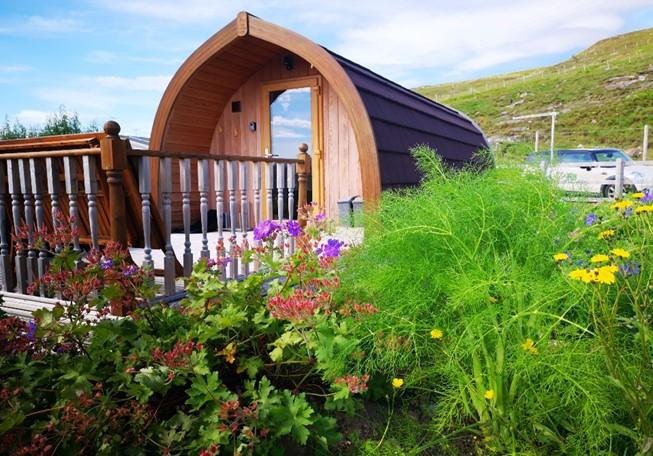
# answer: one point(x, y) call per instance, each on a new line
point(303, 171)
point(114, 160)
point(5, 264)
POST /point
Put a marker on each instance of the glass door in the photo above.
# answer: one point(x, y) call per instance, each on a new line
point(292, 116)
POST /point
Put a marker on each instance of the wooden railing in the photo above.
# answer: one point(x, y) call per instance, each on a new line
point(119, 203)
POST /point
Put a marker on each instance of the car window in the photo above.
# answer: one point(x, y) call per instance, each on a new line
point(575, 156)
point(610, 155)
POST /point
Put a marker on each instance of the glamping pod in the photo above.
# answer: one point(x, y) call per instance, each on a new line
point(255, 89)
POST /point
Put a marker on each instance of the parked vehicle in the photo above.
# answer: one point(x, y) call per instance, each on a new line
point(592, 170)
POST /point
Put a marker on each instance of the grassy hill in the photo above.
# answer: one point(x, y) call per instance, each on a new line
point(604, 95)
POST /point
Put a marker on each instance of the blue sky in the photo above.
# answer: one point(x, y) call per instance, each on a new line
point(113, 58)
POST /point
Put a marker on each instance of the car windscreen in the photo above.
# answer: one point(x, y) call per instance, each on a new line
point(574, 156)
point(610, 155)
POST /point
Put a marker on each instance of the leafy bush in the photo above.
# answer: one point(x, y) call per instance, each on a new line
point(237, 368)
point(475, 317)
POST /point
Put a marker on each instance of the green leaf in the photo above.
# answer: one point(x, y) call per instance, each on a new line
point(250, 365)
point(13, 420)
point(153, 378)
point(206, 389)
point(293, 416)
point(276, 354)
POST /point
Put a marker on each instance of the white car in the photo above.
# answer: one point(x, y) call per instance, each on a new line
point(592, 170)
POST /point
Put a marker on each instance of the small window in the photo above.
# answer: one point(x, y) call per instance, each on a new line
point(609, 155)
point(235, 106)
point(575, 157)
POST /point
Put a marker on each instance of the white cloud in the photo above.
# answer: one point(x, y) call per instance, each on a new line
point(435, 36)
point(32, 117)
point(280, 121)
point(14, 68)
point(101, 57)
point(478, 35)
point(286, 133)
point(40, 25)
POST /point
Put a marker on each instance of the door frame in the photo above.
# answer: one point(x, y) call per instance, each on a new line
point(317, 127)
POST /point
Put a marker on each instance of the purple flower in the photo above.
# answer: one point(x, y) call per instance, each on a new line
point(31, 330)
point(330, 249)
point(628, 212)
point(130, 270)
point(293, 228)
point(319, 217)
point(590, 219)
point(212, 262)
point(648, 196)
point(629, 269)
point(104, 265)
point(265, 229)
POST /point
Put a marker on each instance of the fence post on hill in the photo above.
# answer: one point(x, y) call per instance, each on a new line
point(113, 155)
point(537, 140)
point(619, 179)
point(645, 144)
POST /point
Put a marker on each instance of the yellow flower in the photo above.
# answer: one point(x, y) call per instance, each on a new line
point(605, 274)
point(436, 334)
point(606, 234)
point(229, 353)
point(623, 204)
point(489, 394)
point(581, 274)
point(529, 346)
point(397, 383)
point(560, 257)
point(492, 299)
point(647, 208)
point(637, 195)
point(620, 253)
point(599, 258)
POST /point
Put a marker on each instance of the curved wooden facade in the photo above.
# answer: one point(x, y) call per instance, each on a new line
point(366, 123)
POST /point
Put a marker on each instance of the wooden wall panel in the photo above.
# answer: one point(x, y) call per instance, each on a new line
point(231, 135)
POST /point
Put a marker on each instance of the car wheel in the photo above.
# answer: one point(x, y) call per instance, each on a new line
point(608, 191)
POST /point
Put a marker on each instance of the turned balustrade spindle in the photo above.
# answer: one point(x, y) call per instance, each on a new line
point(185, 181)
point(281, 168)
point(244, 202)
point(165, 185)
point(20, 257)
point(28, 204)
point(218, 176)
point(52, 176)
point(231, 187)
point(203, 188)
point(269, 188)
point(70, 175)
point(5, 264)
point(90, 187)
point(145, 189)
point(257, 193)
point(36, 176)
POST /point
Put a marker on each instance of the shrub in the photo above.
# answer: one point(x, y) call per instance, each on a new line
point(474, 315)
point(243, 367)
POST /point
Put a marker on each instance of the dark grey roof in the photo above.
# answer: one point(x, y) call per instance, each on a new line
point(402, 119)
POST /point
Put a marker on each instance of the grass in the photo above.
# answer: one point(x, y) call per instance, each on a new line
point(471, 254)
point(593, 112)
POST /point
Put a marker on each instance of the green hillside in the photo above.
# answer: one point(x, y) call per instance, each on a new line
point(604, 95)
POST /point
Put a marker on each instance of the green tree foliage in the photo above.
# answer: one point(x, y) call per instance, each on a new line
point(62, 122)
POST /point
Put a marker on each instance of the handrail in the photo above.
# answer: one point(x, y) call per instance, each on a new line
point(50, 154)
point(200, 156)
